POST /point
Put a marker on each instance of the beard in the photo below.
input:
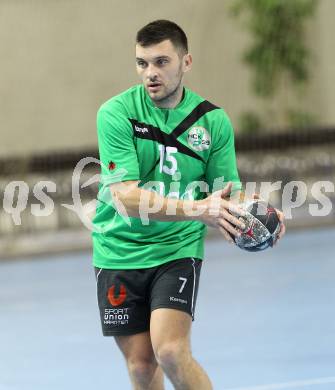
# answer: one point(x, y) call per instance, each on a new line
point(170, 95)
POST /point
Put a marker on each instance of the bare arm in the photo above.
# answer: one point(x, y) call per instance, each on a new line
point(137, 202)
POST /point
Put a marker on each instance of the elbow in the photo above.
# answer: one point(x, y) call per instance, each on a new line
point(124, 197)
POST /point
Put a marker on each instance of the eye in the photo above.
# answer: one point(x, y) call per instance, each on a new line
point(162, 61)
point(141, 63)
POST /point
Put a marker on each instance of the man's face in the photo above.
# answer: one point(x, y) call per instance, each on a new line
point(161, 68)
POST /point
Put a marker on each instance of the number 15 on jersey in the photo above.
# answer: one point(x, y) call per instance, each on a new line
point(167, 162)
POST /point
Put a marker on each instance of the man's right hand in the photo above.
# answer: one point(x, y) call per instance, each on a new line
point(223, 213)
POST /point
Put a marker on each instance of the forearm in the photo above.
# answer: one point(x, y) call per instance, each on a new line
point(138, 202)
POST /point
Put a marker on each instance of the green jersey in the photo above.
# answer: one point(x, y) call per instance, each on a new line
point(184, 152)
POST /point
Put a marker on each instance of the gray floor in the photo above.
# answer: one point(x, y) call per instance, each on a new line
point(263, 321)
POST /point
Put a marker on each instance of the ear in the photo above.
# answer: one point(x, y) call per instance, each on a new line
point(187, 62)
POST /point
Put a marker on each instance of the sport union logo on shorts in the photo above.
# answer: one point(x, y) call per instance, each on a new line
point(198, 138)
point(116, 301)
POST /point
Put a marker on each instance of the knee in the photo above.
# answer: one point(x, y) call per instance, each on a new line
point(142, 369)
point(170, 356)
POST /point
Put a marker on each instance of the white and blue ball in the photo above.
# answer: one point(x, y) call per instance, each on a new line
point(262, 226)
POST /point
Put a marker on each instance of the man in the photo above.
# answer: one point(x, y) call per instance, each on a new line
point(168, 160)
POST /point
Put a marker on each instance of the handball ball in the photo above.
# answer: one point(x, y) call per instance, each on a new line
point(262, 226)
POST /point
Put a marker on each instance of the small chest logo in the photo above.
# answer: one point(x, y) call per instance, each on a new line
point(111, 165)
point(141, 129)
point(198, 138)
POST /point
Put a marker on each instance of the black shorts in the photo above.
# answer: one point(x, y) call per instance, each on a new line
point(126, 298)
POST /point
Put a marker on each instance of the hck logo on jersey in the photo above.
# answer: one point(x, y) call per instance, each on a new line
point(117, 301)
point(198, 138)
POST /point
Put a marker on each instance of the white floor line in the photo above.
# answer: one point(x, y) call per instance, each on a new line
point(288, 385)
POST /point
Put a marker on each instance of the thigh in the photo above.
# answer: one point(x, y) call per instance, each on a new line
point(170, 326)
point(175, 285)
point(123, 301)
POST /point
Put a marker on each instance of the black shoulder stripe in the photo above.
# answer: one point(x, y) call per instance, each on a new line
point(145, 131)
point(199, 111)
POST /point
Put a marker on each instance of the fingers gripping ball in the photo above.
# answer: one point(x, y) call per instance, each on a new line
point(262, 226)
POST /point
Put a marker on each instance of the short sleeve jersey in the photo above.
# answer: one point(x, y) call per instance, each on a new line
point(184, 153)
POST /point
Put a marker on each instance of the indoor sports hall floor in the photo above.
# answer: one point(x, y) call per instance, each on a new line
point(263, 321)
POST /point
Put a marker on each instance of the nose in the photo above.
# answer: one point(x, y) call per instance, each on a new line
point(152, 73)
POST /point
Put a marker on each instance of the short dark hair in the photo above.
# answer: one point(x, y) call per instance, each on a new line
point(160, 30)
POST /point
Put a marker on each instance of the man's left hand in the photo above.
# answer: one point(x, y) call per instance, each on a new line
point(282, 230)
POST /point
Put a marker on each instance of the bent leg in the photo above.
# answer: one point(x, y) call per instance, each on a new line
point(143, 369)
point(170, 337)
